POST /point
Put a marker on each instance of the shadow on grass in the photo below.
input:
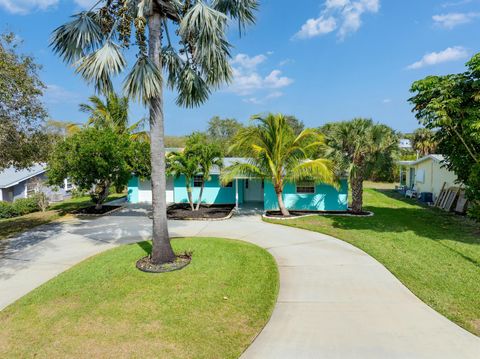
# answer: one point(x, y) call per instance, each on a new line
point(146, 246)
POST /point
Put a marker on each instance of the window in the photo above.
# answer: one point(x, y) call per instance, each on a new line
point(197, 181)
point(228, 185)
point(263, 184)
point(306, 187)
point(246, 183)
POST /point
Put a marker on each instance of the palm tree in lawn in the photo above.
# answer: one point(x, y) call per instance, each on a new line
point(113, 113)
point(354, 147)
point(198, 62)
point(277, 154)
point(207, 154)
point(186, 164)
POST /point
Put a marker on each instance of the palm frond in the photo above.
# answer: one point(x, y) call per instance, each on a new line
point(319, 170)
point(101, 65)
point(72, 40)
point(173, 64)
point(192, 89)
point(241, 169)
point(144, 81)
point(241, 10)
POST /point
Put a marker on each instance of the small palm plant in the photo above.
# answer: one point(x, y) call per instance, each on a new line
point(186, 164)
point(113, 113)
point(277, 154)
point(195, 61)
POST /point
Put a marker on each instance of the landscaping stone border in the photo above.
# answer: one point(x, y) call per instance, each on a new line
point(369, 214)
point(88, 215)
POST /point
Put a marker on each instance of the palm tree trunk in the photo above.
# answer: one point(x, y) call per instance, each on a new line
point(281, 205)
point(162, 251)
point(356, 183)
point(200, 196)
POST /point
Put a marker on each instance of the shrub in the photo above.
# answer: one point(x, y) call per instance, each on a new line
point(6, 210)
point(24, 206)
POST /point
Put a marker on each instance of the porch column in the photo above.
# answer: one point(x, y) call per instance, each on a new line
point(236, 193)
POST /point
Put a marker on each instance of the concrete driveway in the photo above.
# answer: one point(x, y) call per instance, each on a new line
point(335, 301)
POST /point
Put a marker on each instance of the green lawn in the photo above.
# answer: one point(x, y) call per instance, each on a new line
point(12, 226)
point(105, 307)
point(435, 254)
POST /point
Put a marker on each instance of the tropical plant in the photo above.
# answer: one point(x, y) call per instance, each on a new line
point(208, 154)
point(95, 160)
point(113, 113)
point(423, 141)
point(276, 154)
point(222, 131)
point(195, 66)
point(356, 147)
point(450, 105)
point(186, 164)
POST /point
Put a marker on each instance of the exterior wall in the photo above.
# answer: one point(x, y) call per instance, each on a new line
point(430, 177)
point(325, 198)
point(20, 190)
point(213, 192)
point(132, 190)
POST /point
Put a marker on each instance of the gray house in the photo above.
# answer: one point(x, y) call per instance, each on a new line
point(15, 184)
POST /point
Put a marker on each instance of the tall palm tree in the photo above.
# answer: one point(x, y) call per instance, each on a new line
point(355, 147)
point(424, 142)
point(198, 62)
point(277, 154)
point(186, 164)
point(113, 113)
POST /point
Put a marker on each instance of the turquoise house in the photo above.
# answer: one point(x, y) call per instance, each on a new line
point(304, 196)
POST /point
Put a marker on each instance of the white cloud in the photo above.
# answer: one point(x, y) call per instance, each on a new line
point(434, 58)
point(248, 79)
point(55, 94)
point(387, 100)
point(23, 7)
point(451, 20)
point(86, 3)
point(263, 100)
point(456, 3)
point(343, 16)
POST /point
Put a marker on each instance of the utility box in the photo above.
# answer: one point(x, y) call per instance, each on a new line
point(426, 197)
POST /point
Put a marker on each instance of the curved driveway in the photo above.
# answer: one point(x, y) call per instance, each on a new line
point(335, 301)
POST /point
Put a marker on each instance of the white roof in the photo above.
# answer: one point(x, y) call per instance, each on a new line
point(434, 157)
point(11, 176)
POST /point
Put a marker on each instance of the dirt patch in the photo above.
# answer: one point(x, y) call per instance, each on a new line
point(181, 261)
point(294, 214)
point(92, 211)
point(184, 212)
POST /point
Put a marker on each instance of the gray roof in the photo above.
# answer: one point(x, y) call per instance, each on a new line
point(435, 157)
point(11, 176)
point(228, 161)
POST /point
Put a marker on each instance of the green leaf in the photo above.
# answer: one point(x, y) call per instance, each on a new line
point(144, 81)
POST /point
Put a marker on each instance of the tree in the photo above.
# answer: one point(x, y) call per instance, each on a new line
point(21, 110)
point(195, 66)
point(94, 159)
point(356, 147)
point(450, 105)
point(423, 141)
point(223, 131)
point(207, 154)
point(186, 164)
point(275, 153)
point(113, 113)
point(297, 125)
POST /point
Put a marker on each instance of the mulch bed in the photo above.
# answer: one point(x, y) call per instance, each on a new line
point(293, 214)
point(182, 211)
point(92, 211)
point(181, 261)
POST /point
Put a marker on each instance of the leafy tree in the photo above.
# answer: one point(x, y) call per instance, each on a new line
point(175, 141)
point(194, 66)
point(113, 113)
point(357, 147)
point(62, 129)
point(207, 154)
point(423, 141)
point(223, 131)
point(276, 153)
point(94, 159)
point(186, 164)
point(297, 125)
point(21, 111)
point(450, 105)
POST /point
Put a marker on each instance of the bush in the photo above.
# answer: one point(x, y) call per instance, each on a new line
point(6, 210)
point(24, 206)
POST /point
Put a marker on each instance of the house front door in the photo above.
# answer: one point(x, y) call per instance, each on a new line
point(253, 191)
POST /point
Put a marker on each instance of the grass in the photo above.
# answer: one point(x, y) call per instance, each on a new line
point(12, 226)
point(435, 254)
point(105, 307)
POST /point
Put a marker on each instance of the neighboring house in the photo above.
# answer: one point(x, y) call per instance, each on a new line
point(15, 184)
point(405, 144)
point(427, 174)
point(305, 196)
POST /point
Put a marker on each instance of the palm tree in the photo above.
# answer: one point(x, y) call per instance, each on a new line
point(355, 147)
point(423, 141)
point(113, 114)
point(185, 164)
point(94, 41)
point(276, 153)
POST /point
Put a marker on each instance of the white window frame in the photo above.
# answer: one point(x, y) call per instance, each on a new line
point(304, 185)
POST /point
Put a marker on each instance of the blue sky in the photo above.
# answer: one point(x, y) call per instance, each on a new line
point(320, 61)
